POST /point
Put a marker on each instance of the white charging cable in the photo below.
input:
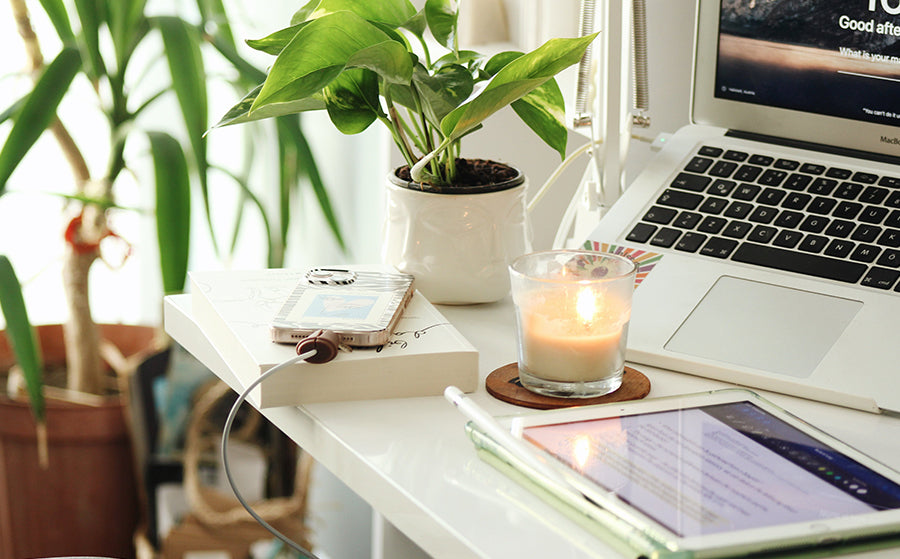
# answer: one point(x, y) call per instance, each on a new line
point(318, 347)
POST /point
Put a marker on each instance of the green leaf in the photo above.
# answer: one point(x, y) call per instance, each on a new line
point(321, 51)
point(515, 80)
point(392, 12)
point(543, 110)
point(289, 132)
point(21, 336)
point(59, 17)
point(275, 42)
point(173, 209)
point(126, 19)
point(240, 113)
point(442, 92)
point(182, 46)
point(352, 100)
point(442, 16)
point(213, 11)
point(38, 111)
point(90, 13)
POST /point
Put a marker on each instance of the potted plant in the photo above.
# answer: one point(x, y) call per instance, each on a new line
point(54, 505)
point(371, 60)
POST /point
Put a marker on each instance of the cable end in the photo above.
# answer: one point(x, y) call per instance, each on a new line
point(325, 342)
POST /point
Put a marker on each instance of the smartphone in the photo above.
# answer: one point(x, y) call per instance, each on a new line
point(362, 307)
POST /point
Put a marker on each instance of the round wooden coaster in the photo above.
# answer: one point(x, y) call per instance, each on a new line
point(504, 384)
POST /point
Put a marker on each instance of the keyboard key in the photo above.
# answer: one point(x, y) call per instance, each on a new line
point(723, 169)
point(746, 192)
point(813, 243)
point(893, 220)
point(796, 201)
point(665, 237)
point(763, 214)
point(873, 214)
point(657, 214)
point(734, 155)
point(641, 233)
point(771, 196)
point(747, 173)
point(722, 187)
point(790, 261)
point(698, 164)
point(688, 181)
point(880, 278)
point(814, 224)
point(772, 177)
point(866, 233)
point(763, 160)
point(847, 210)
point(837, 173)
point(867, 178)
point(762, 234)
point(690, 242)
point(787, 164)
point(737, 229)
point(787, 239)
point(890, 182)
point(873, 195)
point(821, 205)
point(789, 219)
point(865, 253)
point(687, 220)
point(712, 225)
point(679, 199)
point(718, 247)
point(738, 210)
point(890, 238)
point(812, 168)
point(710, 151)
point(840, 228)
point(893, 200)
point(713, 205)
point(848, 190)
point(797, 182)
point(822, 186)
point(840, 248)
point(889, 258)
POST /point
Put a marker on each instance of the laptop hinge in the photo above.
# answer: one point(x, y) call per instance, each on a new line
point(834, 150)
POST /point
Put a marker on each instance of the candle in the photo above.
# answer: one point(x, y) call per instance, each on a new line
point(572, 321)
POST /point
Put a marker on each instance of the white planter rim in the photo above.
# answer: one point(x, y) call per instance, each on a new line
point(513, 182)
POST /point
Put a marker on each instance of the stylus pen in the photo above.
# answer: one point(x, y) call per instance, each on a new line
point(491, 427)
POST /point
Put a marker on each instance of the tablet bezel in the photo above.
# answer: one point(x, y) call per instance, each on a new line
point(839, 529)
point(775, 122)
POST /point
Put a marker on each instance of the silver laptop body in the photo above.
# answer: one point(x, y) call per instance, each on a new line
point(780, 266)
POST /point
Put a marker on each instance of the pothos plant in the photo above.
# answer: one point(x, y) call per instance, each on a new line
point(99, 42)
point(369, 60)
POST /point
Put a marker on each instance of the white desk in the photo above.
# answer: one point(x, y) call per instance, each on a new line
point(411, 460)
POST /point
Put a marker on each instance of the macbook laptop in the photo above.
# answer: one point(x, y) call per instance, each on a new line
point(776, 213)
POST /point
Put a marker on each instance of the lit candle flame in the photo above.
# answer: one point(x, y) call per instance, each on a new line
point(581, 451)
point(586, 305)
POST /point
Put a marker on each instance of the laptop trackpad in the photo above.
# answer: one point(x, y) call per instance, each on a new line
point(767, 327)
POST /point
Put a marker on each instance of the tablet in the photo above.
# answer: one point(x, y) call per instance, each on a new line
point(713, 474)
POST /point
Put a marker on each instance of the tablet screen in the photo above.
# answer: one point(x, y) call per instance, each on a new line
point(717, 468)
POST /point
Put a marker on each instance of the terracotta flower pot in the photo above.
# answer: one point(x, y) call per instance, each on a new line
point(86, 502)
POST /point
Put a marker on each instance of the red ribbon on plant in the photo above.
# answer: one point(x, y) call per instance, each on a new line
point(81, 246)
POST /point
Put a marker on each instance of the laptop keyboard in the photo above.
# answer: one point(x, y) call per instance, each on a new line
point(785, 214)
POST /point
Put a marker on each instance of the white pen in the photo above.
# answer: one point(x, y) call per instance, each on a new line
point(491, 427)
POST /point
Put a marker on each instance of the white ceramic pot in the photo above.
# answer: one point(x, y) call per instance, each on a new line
point(458, 246)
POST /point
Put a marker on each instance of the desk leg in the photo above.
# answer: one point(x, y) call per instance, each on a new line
point(390, 543)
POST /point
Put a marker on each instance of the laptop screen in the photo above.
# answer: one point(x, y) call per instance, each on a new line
point(839, 58)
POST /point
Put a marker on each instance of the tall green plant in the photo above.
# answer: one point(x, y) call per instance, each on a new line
point(370, 60)
point(100, 39)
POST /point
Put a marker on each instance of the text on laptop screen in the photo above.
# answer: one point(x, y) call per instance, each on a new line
point(831, 57)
